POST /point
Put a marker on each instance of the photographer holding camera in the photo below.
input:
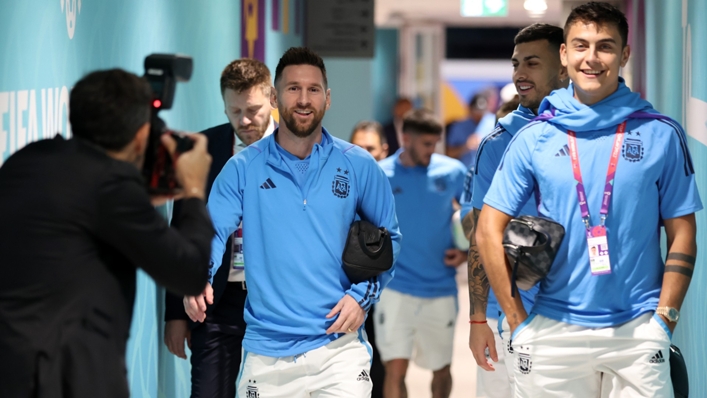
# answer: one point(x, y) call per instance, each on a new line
point(76, 221)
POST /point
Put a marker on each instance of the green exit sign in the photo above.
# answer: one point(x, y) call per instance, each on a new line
point(484, 8)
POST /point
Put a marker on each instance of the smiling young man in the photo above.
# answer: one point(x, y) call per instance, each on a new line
point(537, 70)
point(297, 193)
point(611, 170)
point(215, 343)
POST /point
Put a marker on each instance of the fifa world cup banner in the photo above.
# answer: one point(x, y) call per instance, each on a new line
point(253, 29)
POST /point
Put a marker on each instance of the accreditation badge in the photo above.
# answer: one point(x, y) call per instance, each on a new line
point(598, 246)
point(237, 262)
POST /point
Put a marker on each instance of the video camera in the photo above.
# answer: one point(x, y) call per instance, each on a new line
point(163, 71)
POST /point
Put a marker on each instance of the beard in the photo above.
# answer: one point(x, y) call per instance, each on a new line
point(419, 160)
point(302, 130)
point(138, 160)
point(248, 136)
point(531, 103)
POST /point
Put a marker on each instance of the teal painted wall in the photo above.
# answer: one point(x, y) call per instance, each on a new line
point(386, 68)
point(363, 89)
point(47, 45)
point(350, 81)
point(677, 85)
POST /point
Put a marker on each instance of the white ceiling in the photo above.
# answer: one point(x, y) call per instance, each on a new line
point(399, 12)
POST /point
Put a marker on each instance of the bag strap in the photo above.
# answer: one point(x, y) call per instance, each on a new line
point(514, 288)
point(527, 249)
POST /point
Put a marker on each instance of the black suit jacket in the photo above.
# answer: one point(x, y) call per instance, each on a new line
point(221, 141)
point(391, 135)
point(75, 224)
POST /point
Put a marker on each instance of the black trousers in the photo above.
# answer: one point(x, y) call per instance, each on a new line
point(216, 347)
point(377, 368)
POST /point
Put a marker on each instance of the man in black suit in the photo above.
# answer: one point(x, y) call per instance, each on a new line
point(394, 130)
point(76, 222)
point(216, 343)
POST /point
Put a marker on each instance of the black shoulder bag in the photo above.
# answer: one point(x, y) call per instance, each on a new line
point(531, 245)
point(368, 251)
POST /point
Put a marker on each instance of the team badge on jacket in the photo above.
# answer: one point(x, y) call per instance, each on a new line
point(440, 184)
point(633, 150)
point(340, 186)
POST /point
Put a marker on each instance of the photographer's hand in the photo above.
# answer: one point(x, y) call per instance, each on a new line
point(195, 306)
point(176, 332)
point(191, 167)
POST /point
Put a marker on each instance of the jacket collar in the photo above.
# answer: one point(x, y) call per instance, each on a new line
point(320, 150)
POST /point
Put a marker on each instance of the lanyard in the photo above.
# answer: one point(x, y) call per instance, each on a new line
point(609, 185)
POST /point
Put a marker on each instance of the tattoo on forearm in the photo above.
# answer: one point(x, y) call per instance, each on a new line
point(679, 269)
point(686, 258)
point(478, 281)
point(468, 224)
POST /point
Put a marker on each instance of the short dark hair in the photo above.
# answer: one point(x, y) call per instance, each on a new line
point(243, 74)
point(402, 100)
point(601, 14)
point(541, 31)
point(479, 101)
point(300, 56)
point(108, 107)
point(368, 125)
point(421, 121)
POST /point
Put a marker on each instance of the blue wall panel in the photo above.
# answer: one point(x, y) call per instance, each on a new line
point(677, 85)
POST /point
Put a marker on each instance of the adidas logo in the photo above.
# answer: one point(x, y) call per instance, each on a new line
point(564, 151)
point(363, 376)
point(268, 184)
point(657, 358)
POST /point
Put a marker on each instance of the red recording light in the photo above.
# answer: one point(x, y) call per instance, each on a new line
point(156, 104)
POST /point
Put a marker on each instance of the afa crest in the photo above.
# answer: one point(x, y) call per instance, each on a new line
point(633, 150)
point(340, 187)
point(525, 364)
point(252, 390)
point(440, 184)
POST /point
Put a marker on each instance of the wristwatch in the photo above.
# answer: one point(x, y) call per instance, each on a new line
point(669, 312)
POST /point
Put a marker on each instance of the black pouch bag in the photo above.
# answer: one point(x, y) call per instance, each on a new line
point(531, 244)
point(368, 251)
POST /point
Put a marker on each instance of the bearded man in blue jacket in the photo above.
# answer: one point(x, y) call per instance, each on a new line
point(297, 193)
point(603, 319)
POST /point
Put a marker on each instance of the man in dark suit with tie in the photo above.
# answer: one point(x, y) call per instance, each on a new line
point(394, 130)
point(216, 343)
point(76, 222)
